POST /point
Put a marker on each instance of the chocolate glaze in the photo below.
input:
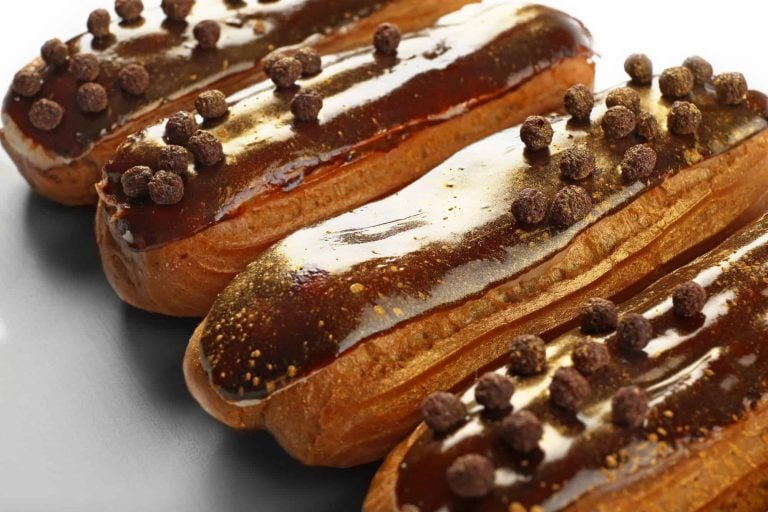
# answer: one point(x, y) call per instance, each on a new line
point(371, 103)
point(442, 240)
point(701, 374)
point(176, 66)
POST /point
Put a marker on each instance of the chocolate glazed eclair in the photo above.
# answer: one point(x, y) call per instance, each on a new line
point(293, 151)
point(67, 111)
point(334, 336)
point(660, 405)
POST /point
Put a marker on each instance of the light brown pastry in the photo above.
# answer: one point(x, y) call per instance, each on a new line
point(334, 336)
point(676, 420)
point(384, 121)
point(63, 160)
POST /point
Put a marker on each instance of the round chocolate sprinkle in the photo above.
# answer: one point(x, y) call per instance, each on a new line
point(46, 115)
point(27, 82)
point(647, 126)
point(207, 33)
point(285, 71)
point(570, 205)
point(589, 356)
point(92, 97)
point(212, 104)
point(311, 64)
point(386, 39)
point(618, 122)
point(640, 68)
point(536, 133)
point(493, 391)
point(701, 69)
point(134, 79)
point(629, 407)
point(638, 162)
point(576, 163)
point(206, 148)
point(180, 127)
point(470, 476)
point(177, 10)
point(174, 159)
point(683, 118)
point(443, 412)
point(527, 355)
point(166, 188)
point(84, 67)
point(624, 96)
point(98, 23)
point(688, 299)
point(135, 181)
point(306, 105)
point(731, 88)
point(579, 101)
point(129, 10)
point(54, 52)
point(633, 332)
point(530, 206)
point(598, 316)
point(568, 389)
point(522, 431)
point(676, 82)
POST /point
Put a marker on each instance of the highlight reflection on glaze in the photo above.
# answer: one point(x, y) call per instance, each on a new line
point(700, 374)
point(446, 238)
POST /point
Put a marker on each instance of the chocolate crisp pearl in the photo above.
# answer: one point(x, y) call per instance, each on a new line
point(576, 163)
point(640, 68)
point(618, 122)
point(731, 88)
point(27, 82)
point(98, 23)
point(179, 128)
point(166, 188)
point(311, 64)
point(134, 79)
point(46, 115)
point(206, 148)
point(212, 104)
point(306, 105)
point(177, 10)
point(536, 133)
point(135, 181)
point(599, 316)
point(579, 101)
point(629, 407)
point(530, 206)
point(647, 126)
point(84, 67)
point(54, 52)
point(633, 332)
point(386, 39)
point(443, 412)
point(624, 96)
point(129, 10)
point(638, 162)
point(701, 69)
point(470, 476)
point(589, 356)
point(493, 391)
point(207, 33)
point(522, 431)
point(92, 97)
point(569, 389)
point(285, 71)
point(527, 355)
point(570, 205)
point(676, 82)
point(174, 159)
point(688, 299)
point(683, 118)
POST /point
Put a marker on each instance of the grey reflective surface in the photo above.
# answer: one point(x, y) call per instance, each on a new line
point(95, 413)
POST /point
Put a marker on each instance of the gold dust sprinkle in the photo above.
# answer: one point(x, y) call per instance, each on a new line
point(379, 310)
point(356, 288)
point(292, 371)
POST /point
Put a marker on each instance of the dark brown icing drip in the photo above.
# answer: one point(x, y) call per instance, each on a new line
point(701, 374)
point(444, 239)
point(371, 103)
point(175, 64)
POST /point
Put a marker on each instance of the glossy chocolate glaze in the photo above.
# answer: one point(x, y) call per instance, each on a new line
point(440, 241)
point(701, 374)
point(371, 103)
point(175, 64)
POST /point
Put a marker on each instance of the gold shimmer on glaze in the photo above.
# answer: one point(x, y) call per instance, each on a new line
point(720, 352)
point(175, 63)
point(444, 239)
point(371, 102)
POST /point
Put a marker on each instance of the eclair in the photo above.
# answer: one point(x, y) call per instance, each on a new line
point(333, 337)
point(294, 150)
point(658, 404)
point(68, 110)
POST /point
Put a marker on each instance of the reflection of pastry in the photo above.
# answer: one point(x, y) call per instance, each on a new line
point(334, 336)
point(368, 123)
point(677, 421)
point(66, 113)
